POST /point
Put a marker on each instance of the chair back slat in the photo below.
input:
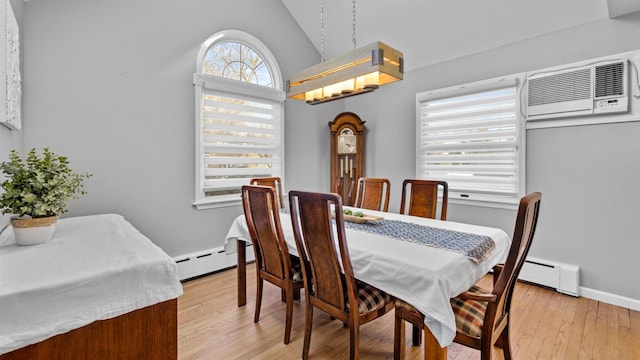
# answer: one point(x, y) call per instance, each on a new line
point(263, 221)
point(525, 226)
point(373, 194)
point(320, 245)
point(273, 182)
point(524, 230)
point(420, 198)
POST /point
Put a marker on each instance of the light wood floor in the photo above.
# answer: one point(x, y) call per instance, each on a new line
point(545, 325)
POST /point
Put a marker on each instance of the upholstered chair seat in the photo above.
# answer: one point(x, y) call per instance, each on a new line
point(369, 298)
point(470, 313)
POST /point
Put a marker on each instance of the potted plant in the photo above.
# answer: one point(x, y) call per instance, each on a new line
point(36, 191)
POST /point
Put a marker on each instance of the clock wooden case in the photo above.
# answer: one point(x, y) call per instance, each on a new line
point(347, 155)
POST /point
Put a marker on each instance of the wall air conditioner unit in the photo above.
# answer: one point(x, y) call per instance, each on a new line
point(587, 90)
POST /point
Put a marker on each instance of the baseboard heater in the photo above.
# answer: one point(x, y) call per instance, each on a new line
point(562, 277)
point(208, 261)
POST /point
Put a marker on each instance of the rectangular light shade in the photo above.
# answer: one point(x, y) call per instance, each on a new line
point(360, 71)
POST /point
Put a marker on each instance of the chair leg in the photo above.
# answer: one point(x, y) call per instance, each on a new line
point(506, 343)
point(398, 336)
point(289, 315)
point(486, 349)
point(307, 330)
point(259, 286)
point(354, 342)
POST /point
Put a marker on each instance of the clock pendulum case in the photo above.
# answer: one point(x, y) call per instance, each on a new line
point(347, 155)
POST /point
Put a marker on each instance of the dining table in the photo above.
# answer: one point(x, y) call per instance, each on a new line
point(425, 262)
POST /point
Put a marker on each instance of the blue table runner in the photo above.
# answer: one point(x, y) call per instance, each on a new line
point(474, 247)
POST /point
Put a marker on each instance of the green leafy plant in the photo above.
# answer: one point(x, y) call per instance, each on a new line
point(39, 186)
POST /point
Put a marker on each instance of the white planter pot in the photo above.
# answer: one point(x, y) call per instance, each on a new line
point(33, 231)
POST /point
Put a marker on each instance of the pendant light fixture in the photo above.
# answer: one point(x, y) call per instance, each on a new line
point(357, 72)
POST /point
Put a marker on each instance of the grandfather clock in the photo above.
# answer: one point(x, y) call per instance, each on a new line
point(347, 155)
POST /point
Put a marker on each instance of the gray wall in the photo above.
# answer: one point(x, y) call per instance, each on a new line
point(10, 140)
point(588, 175)
point(108, 83)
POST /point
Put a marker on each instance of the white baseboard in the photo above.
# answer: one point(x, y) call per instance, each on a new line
point(625, 302)
point(565, 279)
point(207, 261)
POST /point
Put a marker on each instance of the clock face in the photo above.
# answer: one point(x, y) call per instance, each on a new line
point(346, 142)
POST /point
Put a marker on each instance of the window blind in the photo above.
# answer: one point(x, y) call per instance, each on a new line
point(471, 141)
point(241, 139)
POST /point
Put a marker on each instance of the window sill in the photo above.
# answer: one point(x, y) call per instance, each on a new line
point(579, 121)
point(204, 205)
point(507, 205)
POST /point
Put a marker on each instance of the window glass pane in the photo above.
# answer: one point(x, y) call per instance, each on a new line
point(236, 61)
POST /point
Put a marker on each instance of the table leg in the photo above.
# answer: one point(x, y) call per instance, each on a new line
point(432, 349)
point(242, 273)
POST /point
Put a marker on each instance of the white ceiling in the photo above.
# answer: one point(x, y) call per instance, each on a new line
point(429, 32)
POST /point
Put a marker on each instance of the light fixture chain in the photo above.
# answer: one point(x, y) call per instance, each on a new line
point(354, 25)
point(321, 30)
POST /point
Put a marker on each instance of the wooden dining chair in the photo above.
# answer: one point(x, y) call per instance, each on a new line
point(273, 262)
point(373, 194)
point(328, 276)
point(273, 182)
point(482, 316)
point(420, 198)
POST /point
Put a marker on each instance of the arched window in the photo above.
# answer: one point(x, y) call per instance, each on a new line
point(239, 117)
point(236, 61)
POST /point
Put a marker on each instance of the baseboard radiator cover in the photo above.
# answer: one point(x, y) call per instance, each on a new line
point(565, 278)
point(208, 261)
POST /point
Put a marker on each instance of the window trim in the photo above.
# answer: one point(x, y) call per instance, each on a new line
point(516, 80)
point(203, 81)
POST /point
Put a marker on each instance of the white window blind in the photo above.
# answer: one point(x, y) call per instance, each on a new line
point(241, 139)
point(471, 139)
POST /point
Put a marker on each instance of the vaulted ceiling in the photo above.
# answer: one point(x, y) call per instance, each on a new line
point(429, 31)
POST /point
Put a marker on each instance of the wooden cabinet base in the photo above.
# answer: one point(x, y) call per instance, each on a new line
point(147, 333)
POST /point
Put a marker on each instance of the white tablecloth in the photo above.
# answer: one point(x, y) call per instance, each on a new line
point(423, 276)
point(95, 267)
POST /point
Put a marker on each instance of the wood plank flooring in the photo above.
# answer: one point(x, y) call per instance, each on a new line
point(545, 325)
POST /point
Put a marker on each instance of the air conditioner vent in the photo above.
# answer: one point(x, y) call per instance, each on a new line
point(568, 86)
point(610, 80)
